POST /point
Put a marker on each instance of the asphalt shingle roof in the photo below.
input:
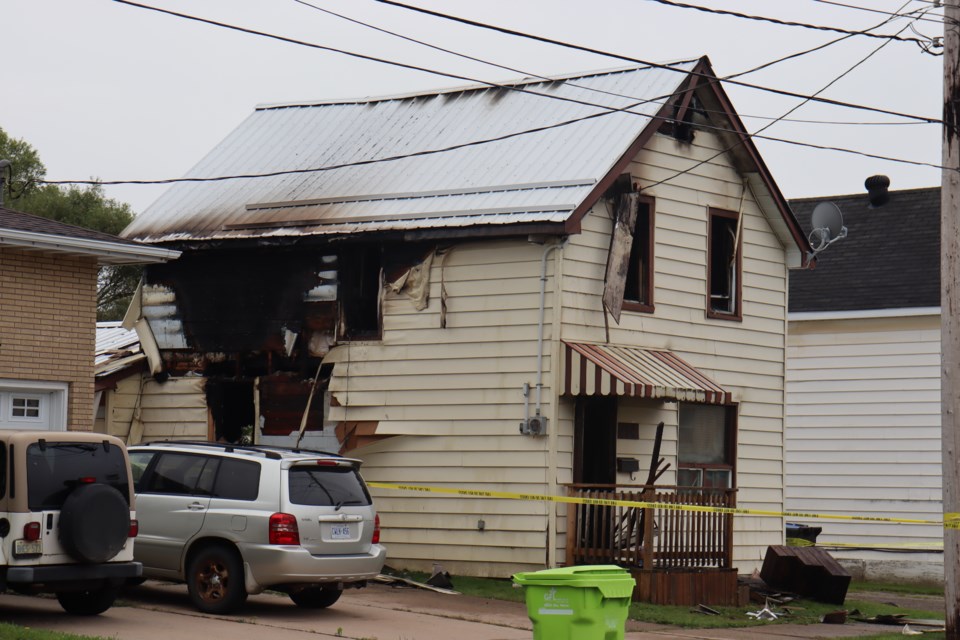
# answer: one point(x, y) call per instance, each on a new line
point(890, 258)
point(19, 221)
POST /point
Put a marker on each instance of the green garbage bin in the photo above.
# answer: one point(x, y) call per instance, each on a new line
point(578, 603)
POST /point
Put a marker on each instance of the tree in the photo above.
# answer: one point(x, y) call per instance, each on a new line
point(86, 207)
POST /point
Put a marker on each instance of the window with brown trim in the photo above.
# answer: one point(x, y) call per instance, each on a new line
point(638, 289)
point(706, 446)
point(724, 265)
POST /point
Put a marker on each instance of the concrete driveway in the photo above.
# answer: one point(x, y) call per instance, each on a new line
point(160, 611)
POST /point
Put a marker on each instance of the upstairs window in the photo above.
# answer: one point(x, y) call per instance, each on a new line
point(638, 289)
point(724, 265)
point(360, 275)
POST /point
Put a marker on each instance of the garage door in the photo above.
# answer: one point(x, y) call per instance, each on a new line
point(31, 405)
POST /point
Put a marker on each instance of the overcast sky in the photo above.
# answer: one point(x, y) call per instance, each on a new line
point(116, 92)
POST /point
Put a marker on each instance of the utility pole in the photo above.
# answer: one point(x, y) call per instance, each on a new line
point(950, 315)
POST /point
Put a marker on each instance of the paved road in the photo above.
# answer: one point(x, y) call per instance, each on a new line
point(161, 611)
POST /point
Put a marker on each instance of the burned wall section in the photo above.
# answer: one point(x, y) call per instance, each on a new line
point(256, 322)
point(236, 301)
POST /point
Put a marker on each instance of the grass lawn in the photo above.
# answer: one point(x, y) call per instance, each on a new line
point(13, 632)
point(801, 611)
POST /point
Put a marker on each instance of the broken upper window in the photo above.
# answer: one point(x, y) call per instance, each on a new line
point(706, 445)
point(629, 278)
point(360, 277)
point(638, 289)
point(725, 265)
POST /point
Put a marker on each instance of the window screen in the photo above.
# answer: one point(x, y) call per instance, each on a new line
point(703, 434)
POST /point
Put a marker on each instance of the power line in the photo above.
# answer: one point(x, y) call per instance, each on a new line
point(647, 63)
point(880, 11)
point(402, 65)
point(594, 89)
point(455, 147)
point(608, 111)
point(816, 48)
point(791, 110)
point(361, 56)
point(787, 23)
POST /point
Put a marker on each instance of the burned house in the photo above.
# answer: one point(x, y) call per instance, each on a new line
point(498, 288)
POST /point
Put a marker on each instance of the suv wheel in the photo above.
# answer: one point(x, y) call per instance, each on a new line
point(316, 597)
point(215, 580)
point(87, 603)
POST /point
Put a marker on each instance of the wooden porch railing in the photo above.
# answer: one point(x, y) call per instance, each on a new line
point(652, 538)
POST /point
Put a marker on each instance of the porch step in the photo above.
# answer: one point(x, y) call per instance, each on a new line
point(806, 571)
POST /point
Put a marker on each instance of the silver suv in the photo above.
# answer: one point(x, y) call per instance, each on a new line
point(232, 520)
point(66, 517)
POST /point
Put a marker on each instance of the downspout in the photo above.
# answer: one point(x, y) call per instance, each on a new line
point(551, 433)
point(543, 297)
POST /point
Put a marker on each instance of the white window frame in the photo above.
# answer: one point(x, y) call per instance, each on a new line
point(26, 397)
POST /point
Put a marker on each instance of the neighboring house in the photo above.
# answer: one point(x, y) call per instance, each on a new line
point(511, 299)
point(48, 309)
point(863, 384)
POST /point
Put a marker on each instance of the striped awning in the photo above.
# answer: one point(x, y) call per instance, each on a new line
point(607, 370)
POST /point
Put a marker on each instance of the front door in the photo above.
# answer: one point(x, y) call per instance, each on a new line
point(595, 440)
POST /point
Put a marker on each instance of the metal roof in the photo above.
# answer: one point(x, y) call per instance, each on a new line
point(610, 370)
point(115, 349)
point(534, 177)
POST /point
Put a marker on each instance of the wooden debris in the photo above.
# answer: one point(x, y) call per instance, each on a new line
point(397, 581)
point(834, 617)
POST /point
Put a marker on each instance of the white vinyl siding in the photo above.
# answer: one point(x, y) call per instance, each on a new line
point(454, 400)
point(175, 409)
point(744, 357)
point(863, 427)
point(453, 397)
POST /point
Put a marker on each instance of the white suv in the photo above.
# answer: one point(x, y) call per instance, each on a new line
point(66, 517)
point(231, 520)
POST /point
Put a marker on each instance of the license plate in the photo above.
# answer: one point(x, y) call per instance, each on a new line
point(340, 532)
point(28, 547)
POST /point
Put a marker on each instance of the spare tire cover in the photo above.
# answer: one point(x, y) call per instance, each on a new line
point(94, 523)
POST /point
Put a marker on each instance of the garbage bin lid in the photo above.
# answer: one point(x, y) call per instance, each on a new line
point(611, 580)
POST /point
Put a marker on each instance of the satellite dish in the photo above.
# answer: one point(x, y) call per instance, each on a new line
point(827, 222)
point(827, 216)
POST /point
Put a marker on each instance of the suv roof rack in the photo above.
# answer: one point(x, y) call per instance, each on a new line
point(274, 447)
point(226, 446)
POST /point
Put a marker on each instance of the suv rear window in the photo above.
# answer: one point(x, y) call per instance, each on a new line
point(54, 469)
point(327, 486)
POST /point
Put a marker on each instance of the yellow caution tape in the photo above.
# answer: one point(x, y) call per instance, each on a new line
point(899, 546)
point(950, 521)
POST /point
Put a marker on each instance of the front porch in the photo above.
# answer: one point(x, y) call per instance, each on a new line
point(677, 557)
